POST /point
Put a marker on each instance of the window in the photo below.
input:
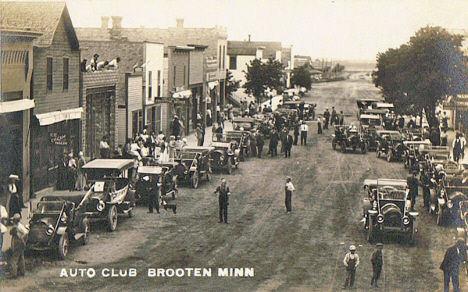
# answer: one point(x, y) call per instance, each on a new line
point(224, 57)
point(185, 69)
point(137, 121)
point(159, 83)
point(65, 73)
point(175, 71)
point(219, 57)
point(49, 73)
point(233, 62)
point(150, 84)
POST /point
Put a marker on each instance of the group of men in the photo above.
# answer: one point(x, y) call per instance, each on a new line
point(332, 118)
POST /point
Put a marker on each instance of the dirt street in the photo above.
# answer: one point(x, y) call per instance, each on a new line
point(301, 251)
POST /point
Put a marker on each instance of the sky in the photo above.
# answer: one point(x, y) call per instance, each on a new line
point(335, 30)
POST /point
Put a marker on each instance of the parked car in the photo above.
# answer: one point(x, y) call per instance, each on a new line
point(225, 155)
point(412, 154)
point(57, 220)
point(242, 138)
point(346, 137)
point(246, 123)
point(435, 155)
point(197, 160)
point(390, 144)
point(388, 211)
point(451, 202)
point(110, 189)
point(161, 178)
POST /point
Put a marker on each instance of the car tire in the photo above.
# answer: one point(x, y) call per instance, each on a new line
point(440, 216)
point(389, 156)
point(63, 246)
point(112, 218)
point(343, 147)
point(354, 148)
point(85, 229)
point(208, 175)
point(194, 179)
point(370, 229)
point(131, 213)
point(229, 165)
point(377, 151)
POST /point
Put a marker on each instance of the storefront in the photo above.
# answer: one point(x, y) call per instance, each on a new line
point(211, 102)
point(53, 135)
point(182, 106)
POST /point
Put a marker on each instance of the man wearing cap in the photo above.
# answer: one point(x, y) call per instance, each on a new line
point(413, 185)
point(377, 263)
point(289, 189)
point(19, 235)
point(223, 200)
point(326, 116)
point(351, 261)
point(450, 265)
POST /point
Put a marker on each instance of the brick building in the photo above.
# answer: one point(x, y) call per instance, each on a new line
point(55, 124)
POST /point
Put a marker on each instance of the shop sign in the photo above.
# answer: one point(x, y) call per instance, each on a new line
point(58, 139)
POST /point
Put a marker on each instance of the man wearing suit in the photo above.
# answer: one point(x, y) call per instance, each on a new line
point(260, 143)
point(288, 145)
point(453, 256)
point(223, 199)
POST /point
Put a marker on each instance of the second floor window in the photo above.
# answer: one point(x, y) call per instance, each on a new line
point(150, 85)
point(233, 62)
point(50, 70)
point(175, 71)
point(65, 73)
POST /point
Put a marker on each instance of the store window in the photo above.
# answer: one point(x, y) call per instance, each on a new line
point(137, 121)
point(50, 71)
point(65, 73)
point(233, 62)
point(150, 85)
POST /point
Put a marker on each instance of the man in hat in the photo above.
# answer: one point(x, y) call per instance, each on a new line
point(223, 200)
point(288, 191)
point(377, 263)
point(19, 235)
point(413, 184)
point(450, 265)
point(14, 201)
point(326, 116)
point(351, 261)
point(304, 130)
point(176, 126)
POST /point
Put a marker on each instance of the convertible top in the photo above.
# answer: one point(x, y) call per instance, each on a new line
point(118, 164)
point(220, 144)
point(383, 105)
point(367, 116)
point(243, 120)
point(382, 182)
point(149, 170)
point(197, 149)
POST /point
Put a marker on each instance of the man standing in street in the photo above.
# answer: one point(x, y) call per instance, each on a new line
point(223, 200)
point(334, 117)
point(326, 116)
point(288, 145)
point(413, 184)
point(199, 133)
point(451, 264)
point(260, 143)
point(289, 189)
point(153, 194)
point(351, 261)
point(274, 137)
point(377, 263)
point(341, 118)
point(19, 235)
point(304, 130)
point(296, 127)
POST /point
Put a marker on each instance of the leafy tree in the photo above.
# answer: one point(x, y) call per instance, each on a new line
point(261, 76)
point(424, 71)
point(301, 76)
point(231, 84)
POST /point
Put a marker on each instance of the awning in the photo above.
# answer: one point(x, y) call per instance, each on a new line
point(182, 94)
point(16, 105)
point(212, 84)
point(59, 116)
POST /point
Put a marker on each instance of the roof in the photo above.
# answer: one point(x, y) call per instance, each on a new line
point(42, 17)
point(118, 164)
point(250, 48)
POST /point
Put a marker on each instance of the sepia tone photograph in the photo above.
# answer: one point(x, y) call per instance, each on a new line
point(233, 145)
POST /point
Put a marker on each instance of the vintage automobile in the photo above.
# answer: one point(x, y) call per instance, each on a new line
point(309, 111)
point(368, 120)
point(390, 144)
point(197, 160)
point(242, 138)
point(347, 137)
point(246, 123)
point(435, 155)
point(387, 209)
point(225, 155)
point(110, 195)
point(366, 104)
point(161, 178)
point(451, 202)
point(412, 154)
point(57, 220)
point(412, 134)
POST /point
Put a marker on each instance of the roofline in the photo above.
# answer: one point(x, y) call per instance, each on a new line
point(19, 32)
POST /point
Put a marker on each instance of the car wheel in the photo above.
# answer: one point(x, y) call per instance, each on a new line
point(354, 148)
point(343, 147)
point(131, 213)
point(112, 218)
point(63, 246)
point(440, 216)
point(370, 229)
point(389, 156)
point(208, 175)
point(85, 230)
point(195, 179)
point(377, 151)
point(229, 165)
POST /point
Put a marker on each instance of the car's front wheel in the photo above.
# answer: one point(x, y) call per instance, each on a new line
point(85, 230)
point(377, 151)
point(389, 156)
point(63, 246)
point(112, 218)
point(195, 179)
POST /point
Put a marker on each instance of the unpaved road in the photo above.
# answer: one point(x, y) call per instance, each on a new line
point(302, 251)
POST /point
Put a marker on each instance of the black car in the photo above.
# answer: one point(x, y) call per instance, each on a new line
point(412, 154)
point(58, 220)
point(225, 155)
point(161, 178)
point(197, 160)
point(390, 145)
point(348, 137)
point(451, 204)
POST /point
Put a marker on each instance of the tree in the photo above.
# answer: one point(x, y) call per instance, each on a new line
point(300, 76)
point(261, 76)
point(231, 84)
point(419, 74)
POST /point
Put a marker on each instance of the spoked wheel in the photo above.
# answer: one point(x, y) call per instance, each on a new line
point(85, 237)
point(63, 246)
point(195, 179)
point(377, 151)
point(112, 218)
point(208, 175)
point(389, 156)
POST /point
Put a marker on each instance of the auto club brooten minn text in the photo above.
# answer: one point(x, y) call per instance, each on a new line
point(156, 272)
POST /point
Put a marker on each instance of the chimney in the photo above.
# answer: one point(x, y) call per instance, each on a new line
point(180, 22)
point(249, 37)
point(116, 22)
point(104, 22)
